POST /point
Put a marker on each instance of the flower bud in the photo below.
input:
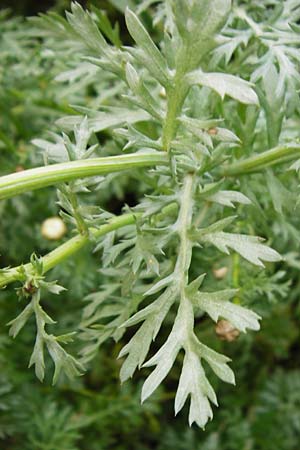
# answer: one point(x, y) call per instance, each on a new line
point(53, 228)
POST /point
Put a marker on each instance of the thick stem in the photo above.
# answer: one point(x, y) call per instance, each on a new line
point(28, 180)
point(176, 97)
point(277, 155)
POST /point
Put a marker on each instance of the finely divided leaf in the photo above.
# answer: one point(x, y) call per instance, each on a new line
point(101, 120)
point(136, 349)
point(217, 226)
point(193, 382)
point(83, 24)
point(63, 361)
point(37, 357)
point(228, 198)
point(143, 98)
point(155, 61)
point(217, 362)
point(164, 282)
point(198, 22)
point(18, 323)
point(225, 84)
point(164, 360)
point(250, 247)
point(216, 305)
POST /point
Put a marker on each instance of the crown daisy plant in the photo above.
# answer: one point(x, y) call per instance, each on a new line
point(193, 116)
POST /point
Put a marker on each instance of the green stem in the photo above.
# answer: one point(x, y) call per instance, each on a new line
point(236, 275)
point(67, 249)
point(28, 180)
point(73, 245)
point(256, 163)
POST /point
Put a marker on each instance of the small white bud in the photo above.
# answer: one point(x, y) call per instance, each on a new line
point(53, 228)
point(220, 273)
point(163, 93)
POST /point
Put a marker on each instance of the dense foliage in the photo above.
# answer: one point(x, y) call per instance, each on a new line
point(150, 139)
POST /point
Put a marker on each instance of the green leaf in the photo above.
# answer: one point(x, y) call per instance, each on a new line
point(193, 382)
point(159, 285)
point(112, 33)
point(217, 362)
point(217, 226)
point(194, 125)
point(121, 5)
point(249, 247)
point(164, 360)
point(216, 305)
point(225, 84)
point(144, 252)
point(83, 24)
point(229, 44)
point(18, 323)
point(144, 98)
point(280, 196)
point(198, 21)
point(153, 316)
point(63, 361)
point(136, 350)
point(52, 287)
point(228, 198)
point(195, 285)
point(97, 298)
point(101, 120)
point(136, 139)
point(155, 62)
point(37, 357)
point(157, 308)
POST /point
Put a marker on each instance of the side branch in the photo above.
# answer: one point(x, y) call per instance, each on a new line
point(28, 180)
point(67, 249)
point(277, 155)
point(74, 244)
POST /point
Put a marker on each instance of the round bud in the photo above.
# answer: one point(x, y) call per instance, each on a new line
point(220, 273)
point(53, 228)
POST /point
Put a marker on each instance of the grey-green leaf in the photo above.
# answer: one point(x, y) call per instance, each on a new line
point(157, 65)
point(225, 84)
point(228, 198)
point(216, 305)
point(101, 120)
point(83, 24)
point(250, 247)
point(218, 363)
point(164, 360)
point(193, 382)
point(18, 323)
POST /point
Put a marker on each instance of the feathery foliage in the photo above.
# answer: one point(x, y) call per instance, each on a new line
point(211, 105)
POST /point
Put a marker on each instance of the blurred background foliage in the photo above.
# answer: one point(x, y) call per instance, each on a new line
point(95, 412)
